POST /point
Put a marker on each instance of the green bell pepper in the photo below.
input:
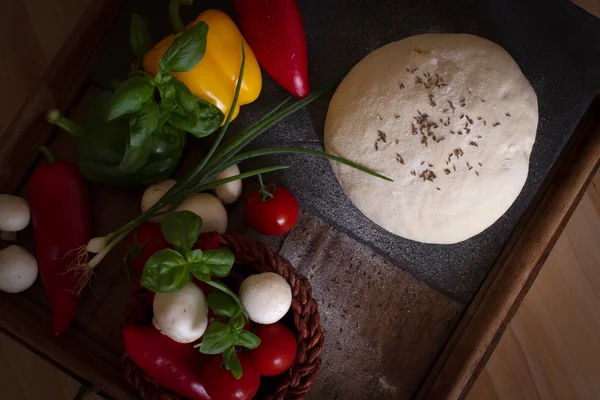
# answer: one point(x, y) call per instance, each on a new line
point(102, 146)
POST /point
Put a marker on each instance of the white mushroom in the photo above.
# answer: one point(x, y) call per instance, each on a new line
point(153, 193)
point(209, 208)
point(267, 297)
point(229, 192)
point(182, 315)
point(18, 269)
point(14, 215)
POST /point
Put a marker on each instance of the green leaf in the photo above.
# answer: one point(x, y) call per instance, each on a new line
point(136, 157)
point(218, 261)
point(237, 321)
point(130, 97)
point(183, 97)
point(216, 339)
point(223, 288)
point(181, 229)
point(246, 339)
point(232, 363)
point(142, 125)
point(204, 264)
point(196, 265)
point(187, 49)
point(207, 119)
point(139, 36)
point(165, 272)
point(222, 304)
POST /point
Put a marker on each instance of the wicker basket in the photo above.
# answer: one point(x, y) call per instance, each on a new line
point(304, 321)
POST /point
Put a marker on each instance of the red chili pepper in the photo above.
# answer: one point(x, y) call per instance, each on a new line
point(275, 32)
point(60, 210)
point(176, 366)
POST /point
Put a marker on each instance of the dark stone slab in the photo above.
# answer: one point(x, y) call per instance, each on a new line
point(556, 44)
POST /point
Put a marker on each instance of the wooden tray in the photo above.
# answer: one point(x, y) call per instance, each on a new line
point(393, 335)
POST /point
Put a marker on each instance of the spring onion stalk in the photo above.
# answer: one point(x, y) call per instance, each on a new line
point(221, 155)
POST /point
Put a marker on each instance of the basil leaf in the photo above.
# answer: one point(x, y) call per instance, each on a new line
point(165, 272)
point(237, 321)
point(130, 97)
point(207, 120)
point(219, 262)
point(135, 157)
point(222, 304)
point(184, 98)
point(216, 339)
point(143, 123)
point(181, 229)
point(187, 49)
point(232, 363)
point(139, 36)
point(141, 127)
point(223, 288)
point(197, 266)
point(246, 339)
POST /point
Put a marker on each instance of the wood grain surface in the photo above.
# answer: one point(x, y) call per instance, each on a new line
point(31, 34)
point(495, 304)
point(58, 85)
point(551, 348)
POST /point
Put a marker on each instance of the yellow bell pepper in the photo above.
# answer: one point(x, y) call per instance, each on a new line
point(214, 78)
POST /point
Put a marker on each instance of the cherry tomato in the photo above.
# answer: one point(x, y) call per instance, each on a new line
point(220, 384)
point(272, 216)
point(144, 241)
point(277, 349)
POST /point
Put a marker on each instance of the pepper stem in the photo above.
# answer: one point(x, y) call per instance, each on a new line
point(176, 22)
point(46, 151)
point(265, 194)
point(55, 117)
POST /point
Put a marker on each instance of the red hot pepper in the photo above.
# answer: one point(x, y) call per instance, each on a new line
point(176, 366)
point(60, 210)
point(274, 30)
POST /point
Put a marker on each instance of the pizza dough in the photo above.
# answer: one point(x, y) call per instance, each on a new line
point(450, 118)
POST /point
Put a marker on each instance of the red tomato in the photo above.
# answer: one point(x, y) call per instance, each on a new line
point(144, 241)
point(274, 216)
point(220, 384)
point(277, 349)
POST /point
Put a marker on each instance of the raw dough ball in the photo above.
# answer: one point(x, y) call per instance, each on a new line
point(450, 118)
point(267, 297)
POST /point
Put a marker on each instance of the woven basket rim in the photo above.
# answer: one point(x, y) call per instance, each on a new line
point(294, 383)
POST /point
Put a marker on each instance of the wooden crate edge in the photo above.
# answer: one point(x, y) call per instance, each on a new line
point(483, 323)
point(58, 88)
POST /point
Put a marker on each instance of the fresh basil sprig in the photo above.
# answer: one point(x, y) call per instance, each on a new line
point(162, 102)
point(169, 270)
point(222, 338)
point(187, 49)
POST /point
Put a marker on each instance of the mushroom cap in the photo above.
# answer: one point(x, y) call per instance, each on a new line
point(267, 297)
point(14, 213)
point(18, 269)
point(181, 315)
